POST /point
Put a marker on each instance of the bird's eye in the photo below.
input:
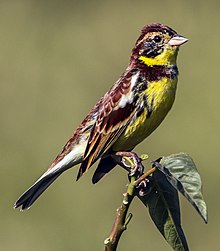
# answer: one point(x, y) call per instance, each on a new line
point(157, 39)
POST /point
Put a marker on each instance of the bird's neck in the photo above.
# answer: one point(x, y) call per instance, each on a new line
point(155, 72)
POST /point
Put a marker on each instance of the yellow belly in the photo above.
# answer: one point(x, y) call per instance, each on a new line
point(160, 94)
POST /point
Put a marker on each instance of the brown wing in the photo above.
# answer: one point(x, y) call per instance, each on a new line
point(116, 111)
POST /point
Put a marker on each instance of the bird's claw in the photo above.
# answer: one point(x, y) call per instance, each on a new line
point(144, 187)
point(137, 170)
point(129, 161)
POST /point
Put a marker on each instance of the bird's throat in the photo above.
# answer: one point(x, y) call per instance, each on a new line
point(166, 58)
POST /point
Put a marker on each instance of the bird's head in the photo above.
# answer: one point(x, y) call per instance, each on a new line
point(158, 44)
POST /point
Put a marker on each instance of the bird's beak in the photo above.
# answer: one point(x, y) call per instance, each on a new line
point(177, 40)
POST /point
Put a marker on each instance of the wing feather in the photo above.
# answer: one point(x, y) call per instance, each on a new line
point(118, 107)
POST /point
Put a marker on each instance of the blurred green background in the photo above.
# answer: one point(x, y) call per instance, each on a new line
point(56, 59)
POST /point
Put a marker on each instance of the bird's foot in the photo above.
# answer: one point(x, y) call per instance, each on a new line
point(144, 187)
point(130, 162)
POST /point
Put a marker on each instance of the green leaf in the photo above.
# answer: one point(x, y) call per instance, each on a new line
point(181, 172)
point(163, 204)
point(144, 157)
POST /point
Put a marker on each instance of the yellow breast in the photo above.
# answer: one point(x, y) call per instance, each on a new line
point(160, 97)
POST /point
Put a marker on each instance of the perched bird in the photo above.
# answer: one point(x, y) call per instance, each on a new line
point(128, 113)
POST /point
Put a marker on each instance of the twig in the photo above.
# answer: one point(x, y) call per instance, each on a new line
point(131, 162)
point(144, 176)
point(121, 220)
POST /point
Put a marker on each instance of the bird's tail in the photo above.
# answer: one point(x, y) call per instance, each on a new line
point(29, 196)
point(71, 159)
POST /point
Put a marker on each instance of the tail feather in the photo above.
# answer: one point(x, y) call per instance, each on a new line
point(60, 165)
point(30, 196)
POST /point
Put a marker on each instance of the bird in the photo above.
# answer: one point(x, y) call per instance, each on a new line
point(128, 113)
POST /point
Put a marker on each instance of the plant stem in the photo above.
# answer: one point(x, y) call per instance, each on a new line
point(121, 220)
point(144, 176)
point(131, 162)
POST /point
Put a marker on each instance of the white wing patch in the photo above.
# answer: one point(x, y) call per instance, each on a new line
point(125, 99)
